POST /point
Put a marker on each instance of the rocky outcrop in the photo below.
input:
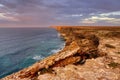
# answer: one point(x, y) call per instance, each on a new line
point(90, 53)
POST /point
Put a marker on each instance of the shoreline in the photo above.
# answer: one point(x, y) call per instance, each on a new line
point(79, 42)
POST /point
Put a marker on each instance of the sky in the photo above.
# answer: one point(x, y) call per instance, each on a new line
point(44, 13)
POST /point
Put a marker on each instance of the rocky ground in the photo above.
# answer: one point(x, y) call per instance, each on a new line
point(90, 53)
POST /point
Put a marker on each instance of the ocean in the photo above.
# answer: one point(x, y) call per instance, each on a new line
point(21, 47)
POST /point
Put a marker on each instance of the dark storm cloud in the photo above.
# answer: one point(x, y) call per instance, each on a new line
point(55, 12)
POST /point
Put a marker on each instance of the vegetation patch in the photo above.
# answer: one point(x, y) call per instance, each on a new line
point(44, 70)
point(113, 65)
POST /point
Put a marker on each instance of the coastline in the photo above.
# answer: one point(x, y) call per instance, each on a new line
point(83, 47)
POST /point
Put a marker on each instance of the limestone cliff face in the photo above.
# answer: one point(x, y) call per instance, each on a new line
point(90, 53)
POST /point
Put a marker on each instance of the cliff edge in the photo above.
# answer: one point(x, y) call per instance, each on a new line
point(90, 53)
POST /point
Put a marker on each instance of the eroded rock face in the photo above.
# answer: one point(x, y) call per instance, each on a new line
point(98, 49)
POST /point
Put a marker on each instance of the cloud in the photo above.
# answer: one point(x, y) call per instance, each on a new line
point(95, 19)
point(1, 5)
point(55, 3)
point(103, 17)
point(117, 13)
point(4, 17)
point(73, 15)
point(50, 12)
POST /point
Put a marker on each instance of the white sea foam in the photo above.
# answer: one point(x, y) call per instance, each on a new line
point(38, 57)
point(57, 50)
point(58, 34)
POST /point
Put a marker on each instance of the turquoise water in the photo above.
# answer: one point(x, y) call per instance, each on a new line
point(21, 47)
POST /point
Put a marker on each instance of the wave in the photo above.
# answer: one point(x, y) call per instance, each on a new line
point(57, 50)
point(37, 57)
point(58, 35)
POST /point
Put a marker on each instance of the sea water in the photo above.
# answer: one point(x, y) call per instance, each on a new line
point(21, 47)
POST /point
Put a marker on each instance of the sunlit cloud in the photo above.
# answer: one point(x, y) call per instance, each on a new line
point(1, 5)
point(117, 13)
point(87, 21)
point(102, 17)
point(4, 17)
point(74, 15)
point(94, 19)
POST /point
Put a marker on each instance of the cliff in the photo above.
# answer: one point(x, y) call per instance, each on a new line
point(90, 53)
